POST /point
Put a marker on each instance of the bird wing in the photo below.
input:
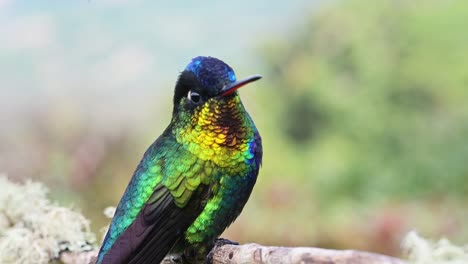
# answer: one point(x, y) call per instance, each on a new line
point(165, 195)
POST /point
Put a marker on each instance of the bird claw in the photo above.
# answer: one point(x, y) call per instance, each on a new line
point(222, 241)
point(218, 243)
point(173, 259)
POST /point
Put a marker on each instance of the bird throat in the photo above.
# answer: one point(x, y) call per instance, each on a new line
point(219, 131)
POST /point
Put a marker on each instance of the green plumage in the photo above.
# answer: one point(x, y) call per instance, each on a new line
point(194, 180)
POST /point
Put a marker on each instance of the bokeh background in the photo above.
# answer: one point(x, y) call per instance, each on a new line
point(363, 108)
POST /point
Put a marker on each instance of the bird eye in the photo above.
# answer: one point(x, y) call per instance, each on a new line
point(194, 97)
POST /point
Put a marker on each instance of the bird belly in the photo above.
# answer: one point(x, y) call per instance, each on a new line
point(226, 202)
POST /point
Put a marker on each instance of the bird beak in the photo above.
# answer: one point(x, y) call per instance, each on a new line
point(232, 87)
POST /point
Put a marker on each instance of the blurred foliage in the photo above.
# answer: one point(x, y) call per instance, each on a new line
point(385, 87)
point(371, 118)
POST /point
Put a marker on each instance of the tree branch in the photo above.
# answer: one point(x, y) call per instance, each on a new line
point(258, 254)
point(86, 257)
point(254, 253)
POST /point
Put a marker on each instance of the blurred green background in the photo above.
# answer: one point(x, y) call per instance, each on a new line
point(363, 108)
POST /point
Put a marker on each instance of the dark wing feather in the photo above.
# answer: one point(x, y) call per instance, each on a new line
point(156, 229)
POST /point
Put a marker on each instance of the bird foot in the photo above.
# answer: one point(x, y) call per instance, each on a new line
point(173, 259)
point(222, 241)
point(218, 243)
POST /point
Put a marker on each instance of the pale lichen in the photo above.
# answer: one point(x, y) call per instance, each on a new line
point(35, 230)
point(423, 251)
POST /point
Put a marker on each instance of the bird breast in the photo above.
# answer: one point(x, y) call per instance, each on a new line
point(221, 132)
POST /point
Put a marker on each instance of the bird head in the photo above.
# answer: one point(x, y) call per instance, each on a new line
point(207, 86)
point(208, 111)
point(206, 81)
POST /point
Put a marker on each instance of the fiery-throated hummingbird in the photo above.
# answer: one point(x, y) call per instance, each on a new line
point(194, 180)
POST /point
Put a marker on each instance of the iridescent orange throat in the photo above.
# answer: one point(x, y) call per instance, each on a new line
point(221, 132)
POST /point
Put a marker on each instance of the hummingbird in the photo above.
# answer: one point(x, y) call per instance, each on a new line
point(195, 179)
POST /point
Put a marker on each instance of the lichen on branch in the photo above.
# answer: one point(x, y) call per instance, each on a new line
point(34, 229)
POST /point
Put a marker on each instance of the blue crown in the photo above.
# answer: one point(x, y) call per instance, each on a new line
point(211, 72)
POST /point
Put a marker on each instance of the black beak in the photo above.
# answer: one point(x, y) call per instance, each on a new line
point(231, 88)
